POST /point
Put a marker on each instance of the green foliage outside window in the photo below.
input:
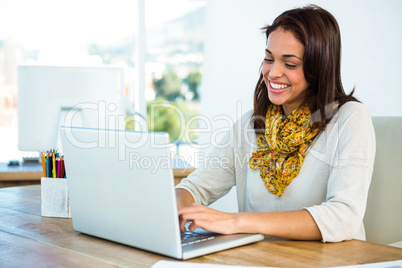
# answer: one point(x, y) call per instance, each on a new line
point(193, 80)
point(177, 119)
point(168, 87)
point(170, 112)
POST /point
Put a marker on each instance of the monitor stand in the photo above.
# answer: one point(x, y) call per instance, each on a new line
point(30, 160)
point(68, 116)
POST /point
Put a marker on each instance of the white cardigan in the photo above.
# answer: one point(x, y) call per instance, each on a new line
point(332, 185)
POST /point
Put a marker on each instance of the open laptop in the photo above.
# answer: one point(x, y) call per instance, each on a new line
point(121, 188)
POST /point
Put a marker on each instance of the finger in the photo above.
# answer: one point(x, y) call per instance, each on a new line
point(190, 208)
point(204, 224)
point(194, 225)
point(182, 224)
point(192, 216)
point(184, 218)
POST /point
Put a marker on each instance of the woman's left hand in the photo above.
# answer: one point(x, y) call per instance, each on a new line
point(208, 219)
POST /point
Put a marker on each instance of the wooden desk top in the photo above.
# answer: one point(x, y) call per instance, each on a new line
point(27, 239)
point(20, 173)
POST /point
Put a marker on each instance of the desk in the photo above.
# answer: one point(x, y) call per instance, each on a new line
point(27, 239)
point(19, 175)
point(31, 174)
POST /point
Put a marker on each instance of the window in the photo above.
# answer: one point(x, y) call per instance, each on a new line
point(175, 46)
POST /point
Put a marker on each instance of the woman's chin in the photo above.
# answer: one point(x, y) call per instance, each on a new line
point(275, 100)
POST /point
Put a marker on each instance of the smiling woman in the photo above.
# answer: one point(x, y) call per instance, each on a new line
point(315, 62)
point(302, 160)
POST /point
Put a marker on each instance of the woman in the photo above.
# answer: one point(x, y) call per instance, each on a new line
point(305, 169)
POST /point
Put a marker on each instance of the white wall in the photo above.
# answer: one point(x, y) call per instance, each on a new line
point(371, 56)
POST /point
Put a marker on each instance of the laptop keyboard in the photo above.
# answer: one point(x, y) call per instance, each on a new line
point(189, 238)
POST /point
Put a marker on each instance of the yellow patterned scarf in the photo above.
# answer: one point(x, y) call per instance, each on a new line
point(283, 146)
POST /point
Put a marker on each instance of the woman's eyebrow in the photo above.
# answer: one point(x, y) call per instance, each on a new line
point(286, 55)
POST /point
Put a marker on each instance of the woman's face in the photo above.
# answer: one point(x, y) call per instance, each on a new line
point(283, 70)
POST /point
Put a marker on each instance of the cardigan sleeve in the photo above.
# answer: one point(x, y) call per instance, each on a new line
point(340, 216)
point(215, 174)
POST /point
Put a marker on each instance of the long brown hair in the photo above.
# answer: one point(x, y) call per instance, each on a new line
point(319, 32)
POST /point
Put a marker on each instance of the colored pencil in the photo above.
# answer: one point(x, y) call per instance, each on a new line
point(50, 164)
point(62, 171)
point(42, 157)
point(58, 166)
point(54, 165)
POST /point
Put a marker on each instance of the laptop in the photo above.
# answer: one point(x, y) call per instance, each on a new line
point(121, 188)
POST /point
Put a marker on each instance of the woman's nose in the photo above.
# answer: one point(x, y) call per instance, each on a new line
point(275, 71)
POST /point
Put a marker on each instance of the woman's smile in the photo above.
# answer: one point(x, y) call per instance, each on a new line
point(277, 87)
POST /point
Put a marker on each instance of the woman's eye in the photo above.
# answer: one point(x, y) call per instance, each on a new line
point(268, 60)
point(291, 66)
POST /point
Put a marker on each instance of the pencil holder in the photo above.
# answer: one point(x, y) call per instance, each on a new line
point(54, 198)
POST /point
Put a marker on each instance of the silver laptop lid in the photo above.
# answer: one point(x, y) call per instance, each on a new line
point(121, 187)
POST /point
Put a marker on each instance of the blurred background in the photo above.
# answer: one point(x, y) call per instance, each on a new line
point(163, 41)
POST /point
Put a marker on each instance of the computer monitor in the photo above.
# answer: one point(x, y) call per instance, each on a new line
point(51, 96)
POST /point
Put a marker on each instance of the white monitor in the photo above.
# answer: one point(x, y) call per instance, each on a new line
point(50, 96)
